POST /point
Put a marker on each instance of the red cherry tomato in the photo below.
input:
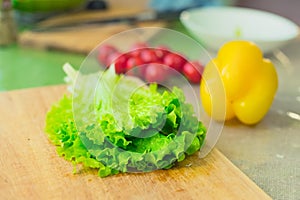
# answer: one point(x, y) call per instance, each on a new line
point(133, 62)
point(119, 60)
point(192, 71)
point(152, 64)
point(156, 73)
point(132, 66)
point(104, 51)
point(137, 48)
point(149, 56)
point(175, 61)
point(161, 52)
point(135, 53)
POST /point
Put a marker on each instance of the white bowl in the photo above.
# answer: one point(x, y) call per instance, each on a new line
point(214, 26)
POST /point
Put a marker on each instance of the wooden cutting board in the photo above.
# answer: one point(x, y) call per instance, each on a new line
point(82, 39)
point(31, 169)
point(78, 40)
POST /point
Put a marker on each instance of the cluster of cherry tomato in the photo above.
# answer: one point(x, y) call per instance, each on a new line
point(151, 64)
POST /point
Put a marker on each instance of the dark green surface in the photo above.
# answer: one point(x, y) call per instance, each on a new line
point(46, 5)
point(25, 68)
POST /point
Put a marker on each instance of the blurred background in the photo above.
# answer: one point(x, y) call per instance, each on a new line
point(38, 36)
point(35, 31)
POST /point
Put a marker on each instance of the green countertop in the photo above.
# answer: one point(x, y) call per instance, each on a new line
point(25, 68)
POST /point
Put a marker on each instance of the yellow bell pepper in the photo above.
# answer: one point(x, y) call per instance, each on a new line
point(239, 82)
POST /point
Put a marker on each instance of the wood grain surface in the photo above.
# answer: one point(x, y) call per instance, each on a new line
point(85, 37)
point(79, 39)
point(88, 16)
point(31, 169)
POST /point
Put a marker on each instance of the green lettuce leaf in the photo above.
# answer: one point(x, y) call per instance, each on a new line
point(122, 125)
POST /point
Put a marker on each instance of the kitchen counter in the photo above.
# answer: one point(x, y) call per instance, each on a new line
point(268, 152)
point(25, 68)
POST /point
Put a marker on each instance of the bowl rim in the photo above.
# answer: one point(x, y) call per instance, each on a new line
point(184, 17)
